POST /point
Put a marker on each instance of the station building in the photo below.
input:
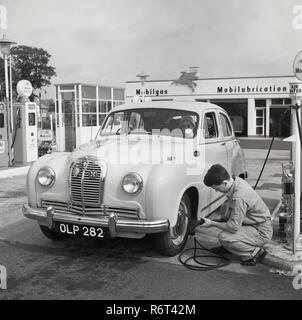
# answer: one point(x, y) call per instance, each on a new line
point(256, 105)
point(80, 110)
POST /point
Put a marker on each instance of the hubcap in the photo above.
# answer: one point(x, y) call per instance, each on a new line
point(178, 232)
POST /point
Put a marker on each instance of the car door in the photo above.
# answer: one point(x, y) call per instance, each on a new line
point(228, 137)
point(234, 152)
point(215, 152)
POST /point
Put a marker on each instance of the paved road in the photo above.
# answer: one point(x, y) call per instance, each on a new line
point(79, 272)
point(124, 268)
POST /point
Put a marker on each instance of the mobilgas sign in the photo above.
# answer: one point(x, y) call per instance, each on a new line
point(151, 92)
point(298, 66)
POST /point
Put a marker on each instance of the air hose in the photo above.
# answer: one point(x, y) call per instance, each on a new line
point(193, 262)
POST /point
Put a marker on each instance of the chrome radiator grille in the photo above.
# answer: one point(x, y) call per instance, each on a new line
point(86, 183)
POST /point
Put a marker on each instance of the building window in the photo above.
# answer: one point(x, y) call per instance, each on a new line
point(260, 103)
point(286, 101)
point(89, 106)
point(88, 120)
point(88, 113)
point(277, 101)
point(259, 131)
point(259, 112)
point(105, 93)
point(88, 92)
point(67, 95)
point(104, 106)
point(260, 121)
point(66, 87)
point(118, 94)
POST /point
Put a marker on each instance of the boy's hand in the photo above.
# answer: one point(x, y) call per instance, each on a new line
point(207, 223)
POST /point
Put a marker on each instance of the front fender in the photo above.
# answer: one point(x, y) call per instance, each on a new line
point(165, 188)
point(58, 191)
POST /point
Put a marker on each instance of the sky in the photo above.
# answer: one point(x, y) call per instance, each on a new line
point(108, 42)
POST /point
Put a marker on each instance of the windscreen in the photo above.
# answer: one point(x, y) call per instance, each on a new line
point(166, 122)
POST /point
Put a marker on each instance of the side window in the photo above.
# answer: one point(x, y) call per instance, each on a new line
point(210, 126)
point(1, 120)
point(226, 126)
point(136, 122)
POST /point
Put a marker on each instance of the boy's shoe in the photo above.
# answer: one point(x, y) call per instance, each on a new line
point(257, 258)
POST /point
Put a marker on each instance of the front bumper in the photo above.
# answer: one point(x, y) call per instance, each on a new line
point(112, 222)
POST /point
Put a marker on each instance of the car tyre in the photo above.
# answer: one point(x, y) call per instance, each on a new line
point(172, 242)
point(53, 234)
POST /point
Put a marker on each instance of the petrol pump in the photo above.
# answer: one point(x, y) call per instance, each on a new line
point(25, 136)
point(4, 155)
point(25, 139)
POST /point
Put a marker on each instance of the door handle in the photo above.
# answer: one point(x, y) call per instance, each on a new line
point(196, 153)
point(223, 144)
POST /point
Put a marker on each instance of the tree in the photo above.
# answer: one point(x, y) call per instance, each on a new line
point(32, 64)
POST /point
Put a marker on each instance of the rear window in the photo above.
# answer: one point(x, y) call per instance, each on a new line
point(226, 125)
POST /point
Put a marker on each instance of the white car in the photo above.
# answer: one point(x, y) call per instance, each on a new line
point(143, 174)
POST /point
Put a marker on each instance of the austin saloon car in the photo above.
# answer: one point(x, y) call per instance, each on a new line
point(142, 174)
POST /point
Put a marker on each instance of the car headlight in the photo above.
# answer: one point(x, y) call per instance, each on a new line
point(46, 176)
point(132, 183)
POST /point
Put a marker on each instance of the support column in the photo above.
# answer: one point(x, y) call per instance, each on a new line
point(76, 113)
point(251, 118)
point(80, 114)
point(60, 128)
point(267, 116)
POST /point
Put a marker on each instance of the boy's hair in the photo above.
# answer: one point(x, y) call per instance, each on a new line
point(216, 175)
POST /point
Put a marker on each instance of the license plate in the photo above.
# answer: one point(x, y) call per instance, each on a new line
point(80, 230)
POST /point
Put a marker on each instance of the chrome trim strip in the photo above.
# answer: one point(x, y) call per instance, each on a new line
point(121, 225)
point(104, 209)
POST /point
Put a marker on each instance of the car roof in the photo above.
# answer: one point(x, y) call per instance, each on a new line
point(179, 105)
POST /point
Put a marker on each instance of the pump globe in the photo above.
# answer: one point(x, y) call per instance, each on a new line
point(24, 88)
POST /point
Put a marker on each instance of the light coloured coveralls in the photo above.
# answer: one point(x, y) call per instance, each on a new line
point(248, 219)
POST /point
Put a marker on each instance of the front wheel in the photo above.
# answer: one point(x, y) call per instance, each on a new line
point(172, 242)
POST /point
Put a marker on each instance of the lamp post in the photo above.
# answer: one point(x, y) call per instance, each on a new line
point(143, 78)
point(5, 45)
